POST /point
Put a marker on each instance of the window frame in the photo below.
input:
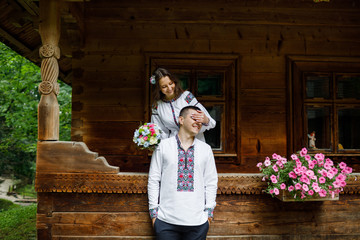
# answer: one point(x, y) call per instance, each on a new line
point(228, 64)
point(297, 68)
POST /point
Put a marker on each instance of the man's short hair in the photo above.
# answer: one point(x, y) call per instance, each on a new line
point(184, 111)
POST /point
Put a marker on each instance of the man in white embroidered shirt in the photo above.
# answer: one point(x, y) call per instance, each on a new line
point(182, 183)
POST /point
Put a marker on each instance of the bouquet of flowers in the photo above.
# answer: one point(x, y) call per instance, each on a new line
point(147, 136)
point(304, 176)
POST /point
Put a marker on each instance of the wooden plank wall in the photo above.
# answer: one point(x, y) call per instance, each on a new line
point(110, 72)
point(125, 216)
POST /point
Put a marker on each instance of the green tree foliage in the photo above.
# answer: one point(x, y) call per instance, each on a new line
point(19, 98)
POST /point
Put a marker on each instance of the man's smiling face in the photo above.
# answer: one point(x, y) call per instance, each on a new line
point(189, 124)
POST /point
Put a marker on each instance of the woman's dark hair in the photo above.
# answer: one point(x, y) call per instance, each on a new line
point(157, 94)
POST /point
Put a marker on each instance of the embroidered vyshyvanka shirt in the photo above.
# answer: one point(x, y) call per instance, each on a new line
point(166, 114)
point(182, 184)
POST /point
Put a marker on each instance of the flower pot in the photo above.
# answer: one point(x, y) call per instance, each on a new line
point(286, 197)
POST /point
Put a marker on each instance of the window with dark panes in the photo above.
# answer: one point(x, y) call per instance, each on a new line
point(325, 109)
point(212, 80)
point(332, 111)
point(207, 86)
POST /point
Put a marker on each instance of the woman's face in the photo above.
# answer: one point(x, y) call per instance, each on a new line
point(167, 87)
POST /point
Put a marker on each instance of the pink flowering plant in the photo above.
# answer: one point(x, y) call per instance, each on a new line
point(304, 176)
point(147, 136)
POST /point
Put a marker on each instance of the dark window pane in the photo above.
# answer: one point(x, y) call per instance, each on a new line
point(349, 128)
point(348, 86)
point(213, 136)
point(209, 84)
point(319, 127)
point(317, 86)
point(184, 79)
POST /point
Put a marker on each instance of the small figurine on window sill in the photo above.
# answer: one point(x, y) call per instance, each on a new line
point(312, 140)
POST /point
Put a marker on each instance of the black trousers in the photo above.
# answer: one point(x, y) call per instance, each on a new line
point(167, 231)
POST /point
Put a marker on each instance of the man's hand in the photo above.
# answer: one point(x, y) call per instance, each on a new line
point(153, 221)
point(209, 220)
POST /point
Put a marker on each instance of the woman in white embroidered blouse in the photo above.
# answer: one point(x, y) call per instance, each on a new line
point(169, 99)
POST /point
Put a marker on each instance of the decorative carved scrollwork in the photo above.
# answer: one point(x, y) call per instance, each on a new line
point(137, 183)
point(49, 69)
point(48, 50)
point(46, 87)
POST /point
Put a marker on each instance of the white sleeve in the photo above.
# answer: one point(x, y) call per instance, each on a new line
point(210, 180)
point(190, 98)
point(154, 178)
point(155, 118)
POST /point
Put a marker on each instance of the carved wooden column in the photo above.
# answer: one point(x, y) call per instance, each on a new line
point(48, 109)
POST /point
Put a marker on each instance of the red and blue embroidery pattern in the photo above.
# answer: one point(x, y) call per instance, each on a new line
point(153, 212)
point(173, 112)
point(189, 98)
point(185, 177)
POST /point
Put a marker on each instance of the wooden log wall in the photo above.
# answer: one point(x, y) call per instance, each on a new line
point(110, 72)
point(125, 216)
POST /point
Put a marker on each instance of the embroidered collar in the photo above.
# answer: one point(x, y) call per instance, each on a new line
point(179, 143)
point(170, 101)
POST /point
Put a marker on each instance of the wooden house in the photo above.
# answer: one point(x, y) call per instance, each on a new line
point(270, 72)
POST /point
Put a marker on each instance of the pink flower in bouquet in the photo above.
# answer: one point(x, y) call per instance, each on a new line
point(152, 130)
point(305, 179)
point(298, 163)
point(303, 152)
point(316, 189)
point(274, 156)
point(294, 157)
point(334, 171)
point(267, 162)
point(275, 168)
point(309, 173)
point(276, 191)
point(342, 165)
point(347, 170)
point(319, 156)
point(298, 186)
point(307, 157)
point(311, 192)
point(327, 166)
point(341, 177)
point(330, 175)
point(322, 180)
point(321, 162)
point(336, 184)
point(305, 187)
point(283, 186)
point(297, 171)
point(291, 188)
point(322, 193)
point(329, 161)
point(292, 175)
point(259, 164)
point(273, 179)
point(323, 172)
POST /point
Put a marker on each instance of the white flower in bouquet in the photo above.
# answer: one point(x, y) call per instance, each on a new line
point(147, 136)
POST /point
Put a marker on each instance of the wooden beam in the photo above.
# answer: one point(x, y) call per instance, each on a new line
point(20, 46)
point(30, 7)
